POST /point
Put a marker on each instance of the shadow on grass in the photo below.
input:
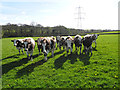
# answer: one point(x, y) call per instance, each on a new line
point(85, 58)
point(60, 61)
point(9, 66)
point(14, 56)
point(29, 69)
point(73, 58)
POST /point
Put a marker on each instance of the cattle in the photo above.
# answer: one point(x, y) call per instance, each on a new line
point(69, 43)
point(62, 42)
point(29, 47)
point(87, 42)
point(58, 40)
point(19, 44)
point(48, 44)
point(78, 43)
point(39, 44)
point(94, 37)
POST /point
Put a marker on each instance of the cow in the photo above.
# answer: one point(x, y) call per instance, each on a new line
point(48, 44)
point(69, 43)
point(29, 47)
point(87, 42)
point(58, 40)
point(19, 44)
point(62, 42)
point(78, 43)
point(94, 37)
point(39, 44)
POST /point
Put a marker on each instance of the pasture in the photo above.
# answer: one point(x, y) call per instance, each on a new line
point(61, 71)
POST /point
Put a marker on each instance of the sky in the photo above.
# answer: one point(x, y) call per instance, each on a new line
point(95, 14)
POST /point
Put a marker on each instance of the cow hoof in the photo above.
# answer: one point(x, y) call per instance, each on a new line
point(52, 55)
point(45, 59)
point(31, 59)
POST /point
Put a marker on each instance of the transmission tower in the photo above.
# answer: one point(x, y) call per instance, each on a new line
point(79, 17)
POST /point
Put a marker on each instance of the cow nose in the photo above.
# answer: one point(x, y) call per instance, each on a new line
point(68, 47)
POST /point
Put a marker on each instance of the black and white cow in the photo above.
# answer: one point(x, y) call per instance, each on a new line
point(94, 37)
point(69, 43)
point(29, 47)
point(87, 42)
point(58, 40)
point(48, 44)
point(78, 43)
point(19, 44)
point(39, 44)
point(62, 42)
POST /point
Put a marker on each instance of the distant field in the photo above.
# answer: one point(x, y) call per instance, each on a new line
point(112, 32)
point(73, 71)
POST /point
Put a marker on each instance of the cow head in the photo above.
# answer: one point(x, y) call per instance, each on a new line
point(94, 36)
point(45, 45)
point(14, 41)
point(69, 42)
point(28, 44)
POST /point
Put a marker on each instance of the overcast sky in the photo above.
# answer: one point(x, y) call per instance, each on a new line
point(97, 14)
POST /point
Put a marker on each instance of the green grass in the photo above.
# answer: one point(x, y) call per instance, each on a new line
point(73, 71)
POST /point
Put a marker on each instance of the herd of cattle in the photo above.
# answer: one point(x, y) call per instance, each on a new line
point(47, 44)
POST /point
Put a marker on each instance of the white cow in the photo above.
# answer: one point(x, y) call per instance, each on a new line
point(69, 43)
point(29, 47)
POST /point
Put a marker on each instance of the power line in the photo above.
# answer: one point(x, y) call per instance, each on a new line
point(79, 17)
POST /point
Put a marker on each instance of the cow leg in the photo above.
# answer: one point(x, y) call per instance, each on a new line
point(80, 49)
point(53, 52)
point(31, 56)
point(22, 51)
point(45, 56)
point(39, 51)
point(60, 47)
point(95, 44)
point(71, 50)
point(67, 49)
point(19, 51)
point(91, 50)
point(27, 55)
point(71, 47)
point(85, 49)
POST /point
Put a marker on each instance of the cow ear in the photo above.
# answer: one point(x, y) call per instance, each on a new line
point(12, 40)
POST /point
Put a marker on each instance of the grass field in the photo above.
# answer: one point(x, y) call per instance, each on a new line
point(73, 71)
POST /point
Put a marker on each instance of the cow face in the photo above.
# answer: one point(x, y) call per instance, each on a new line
point(27, 44)
point(69, 42)
point(44, 45)
point(14, 41)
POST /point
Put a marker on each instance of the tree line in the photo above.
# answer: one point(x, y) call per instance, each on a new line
point(24, 30)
